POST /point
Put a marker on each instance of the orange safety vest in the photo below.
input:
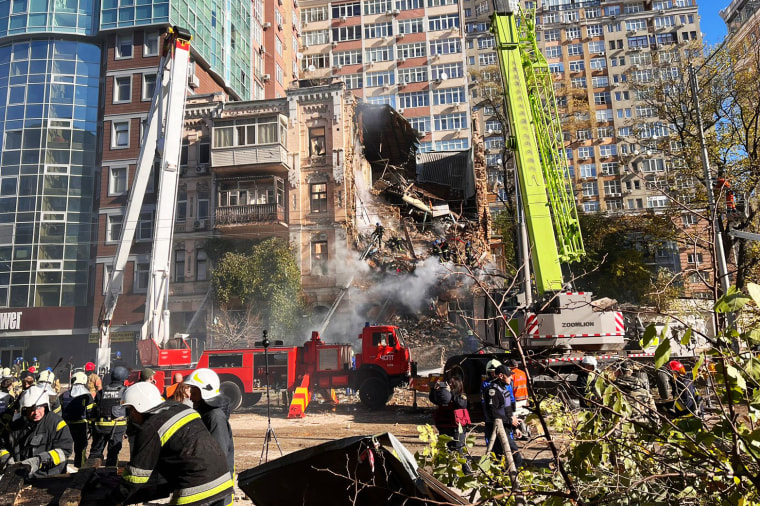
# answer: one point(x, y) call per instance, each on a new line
point(519, 384)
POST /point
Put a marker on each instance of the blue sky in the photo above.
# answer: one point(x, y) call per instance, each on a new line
point(712, 25)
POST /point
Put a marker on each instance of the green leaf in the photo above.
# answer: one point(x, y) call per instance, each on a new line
point(753, 289)
point(731, 302)
point(649, 335)
point(662, 353)
point(697, 366)
point(738, 379)
point(686, 338)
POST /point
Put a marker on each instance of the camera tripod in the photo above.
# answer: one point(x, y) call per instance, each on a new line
point(270, 434)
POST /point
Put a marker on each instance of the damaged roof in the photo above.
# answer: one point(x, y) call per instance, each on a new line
point(387, 137)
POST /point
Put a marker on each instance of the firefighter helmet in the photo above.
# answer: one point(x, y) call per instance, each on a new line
point(492, 365)
point(206, 380)
point(79, 378)
point(7, 372)
point(89, 367)
point(676, 366)
point(589, 360)
point(35, 396)
point(119, 373)
point(142, 397)
point(46, 377)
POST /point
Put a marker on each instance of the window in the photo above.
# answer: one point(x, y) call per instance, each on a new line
point(150, 44)
point(607, 150)
point(346, 10)
point(598, 63)
point(148, 86)
point(119, 134)
point(612, 188)
point(590, 189)
point(380, 79)
point(573, 32)
point(317, 141)
point(181, 204)
point(609, 168)
point(352, 57)
point(449, 96)
point(122, 89)
point(378, 30)
point(694, 258)
point(591, 207)
point(689, 220)
point(319, 258)
point(142, 277)
point(202, 213)
point(414, 99)
point(575, 50)
point(577, 66)
point(123, 46)
point(345, 33)
point(318, 197)
point(578, 82)
point(179, 265)
point(551, 35)
point(585, 152)
point(553, 51)
point(113, 227)
point(587, 170)
point(145, 226)
point(201, 265)
point(117, 181)
point(444, 22)
point(657, 202)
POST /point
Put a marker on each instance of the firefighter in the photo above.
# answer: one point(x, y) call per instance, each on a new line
point(46, 381)
point(108, 421)
point(686, 399)
point(76, 404)
point(492, 400)
point(211, 404)
point(94, 383)
point(170, 442)
point(378, 234)
point(39, 439)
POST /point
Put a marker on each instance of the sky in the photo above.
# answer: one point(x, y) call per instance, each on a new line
point(712, 25)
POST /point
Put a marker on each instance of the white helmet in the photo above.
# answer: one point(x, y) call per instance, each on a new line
point(7, 373)
point(589, 360)
point(206, 380)
point(35, 396)
point(142, 397)
point(79, 378)
point(46, 377)
point(492, 364)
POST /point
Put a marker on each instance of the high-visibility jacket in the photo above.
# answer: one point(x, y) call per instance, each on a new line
point(519, 384)
point(174, 443)
point(49, 439)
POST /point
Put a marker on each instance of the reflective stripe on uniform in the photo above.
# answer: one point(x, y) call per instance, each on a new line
point(195, 494)
point(73, 422)
point(60, 425)
point(111, 423)
point(58, 456)
point(136, 475)
point(175, 423)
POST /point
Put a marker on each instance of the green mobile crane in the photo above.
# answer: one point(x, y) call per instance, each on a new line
point(559, 317)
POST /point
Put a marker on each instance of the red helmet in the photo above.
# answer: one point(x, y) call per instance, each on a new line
point(89, 367)
point(677, 366)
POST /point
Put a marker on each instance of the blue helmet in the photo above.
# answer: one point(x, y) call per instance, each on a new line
point(19, 360)
point(118, 354)
point(34, 359)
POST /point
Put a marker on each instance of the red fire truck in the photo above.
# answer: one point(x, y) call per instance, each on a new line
point(382, 364)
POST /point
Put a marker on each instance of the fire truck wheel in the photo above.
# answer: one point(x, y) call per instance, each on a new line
point(251, 399)
point(373, 392)
point(663, 384)
point(230, 390)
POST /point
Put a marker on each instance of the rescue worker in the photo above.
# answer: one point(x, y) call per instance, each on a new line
point(451, 416)
point(585, 376)
point(493, 397)
point(94, 383)
point(210, 403)
point(45, 381)
point(169, 441)
point(643, 404)
point(39, 439)
point(76, 404)
point(510, 421)
point(108, 418)
point(686, 400)
point(378, 234)
point(148, 375)
point(177, 380)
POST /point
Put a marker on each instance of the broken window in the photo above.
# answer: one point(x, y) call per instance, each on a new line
point(319, 258)
point(317, 141)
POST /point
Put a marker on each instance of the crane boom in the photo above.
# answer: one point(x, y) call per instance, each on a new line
point(162, 135)
point(569, 319)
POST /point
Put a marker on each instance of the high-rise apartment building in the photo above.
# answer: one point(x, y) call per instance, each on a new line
point(405, 53)
point(742, 18)
point(79, 77)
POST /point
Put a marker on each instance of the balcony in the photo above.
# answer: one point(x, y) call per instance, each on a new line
point(233, 159)
point(252, 205)
point(251, 213)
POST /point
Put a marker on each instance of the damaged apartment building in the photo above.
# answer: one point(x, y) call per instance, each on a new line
point(317, 169)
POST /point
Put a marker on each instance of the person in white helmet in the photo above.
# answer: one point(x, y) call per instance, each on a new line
point(76, 404)
point(585, 377)
point(170, 444)
point(45, 381)
point(213, 406)
point(39, 439)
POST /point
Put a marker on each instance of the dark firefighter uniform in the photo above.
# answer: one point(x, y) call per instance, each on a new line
point(49, 440)
point(175, 444)
point(108, 423)
point(75, 411)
